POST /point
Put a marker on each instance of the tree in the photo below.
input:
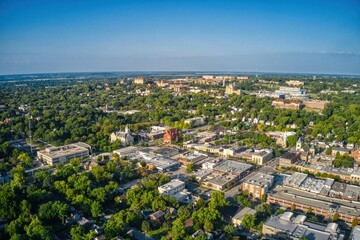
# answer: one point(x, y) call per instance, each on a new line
point(263, 210)
point(218, 200)
point(293, 207)
point(229, 230)
point(328, 151)
point(248, 221)
point(26, 159)
point(292, 140)
point(37, 231)
point(116, 225)
point(354, 222)
point(8, 203)
point(178, 230)
point(184, 212)
point(95, 209)
point(18, 173)
point(263, 198)
point(145, 226)
point(335, 217)
point(208, 226)
point(243, 201)
point(189, 168)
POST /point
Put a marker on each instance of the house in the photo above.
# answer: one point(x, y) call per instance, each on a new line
point(124, 137)
point(157, 216)
point(237, 219)
point(171, 135)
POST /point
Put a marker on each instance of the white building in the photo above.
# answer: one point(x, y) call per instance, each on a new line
point(172, 188)
point(57, 155)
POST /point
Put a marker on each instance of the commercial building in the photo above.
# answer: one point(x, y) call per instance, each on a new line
point(288, 159)
point(319, 205)
point(238, 169)
point(293, 92)
point(280, 137)
point(237, 219)
point(139, 80)
point(258, 185)
point(287, 226)
point(295, 83)
point(260, 157)
point(172, 188)
point(127, 152)
point(219, 180)
point(195, 121)
point(340, 150)
point(57, 155)
point(281, 103)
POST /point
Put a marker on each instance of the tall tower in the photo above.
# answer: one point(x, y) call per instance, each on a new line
point(127, 129)
point(298, 145)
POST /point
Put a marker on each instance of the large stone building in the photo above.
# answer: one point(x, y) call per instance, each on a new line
point(58, 155)
point(231, 89)
point(125, 138)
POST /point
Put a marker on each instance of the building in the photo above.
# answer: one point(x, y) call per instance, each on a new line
point(295, 83)
point(288, 159)
point(172, 188)
point(258, 185)
point(219, 180)
point(260, 157)
point(281, 103)
point(293, 93)
point(316, 104)
point(237, 219)
point(125, 138)
point(356, 155)
point(193, 158)
point(195, 121)
point(126, 152)
point(340, 150)
point(238, 169)
point(171, 135)
point(355, 233)
point(231, 89)
point(208, 77)
point(139, 80)
point(157, 216)
point(280, 137)
point(320, 205)
point(287, 226)
point(57, 155)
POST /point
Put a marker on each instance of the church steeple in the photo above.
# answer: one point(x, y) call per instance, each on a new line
point(127, 129)
point(298, 145)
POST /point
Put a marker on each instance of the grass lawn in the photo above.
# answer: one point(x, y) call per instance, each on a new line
point(158, 233)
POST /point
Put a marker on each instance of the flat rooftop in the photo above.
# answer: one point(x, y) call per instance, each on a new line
point(314, 200)
point(172, 184)
point(66, 150)
point(261, 179)
point(233, 167)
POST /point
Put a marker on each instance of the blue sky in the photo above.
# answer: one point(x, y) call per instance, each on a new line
point(198, 35)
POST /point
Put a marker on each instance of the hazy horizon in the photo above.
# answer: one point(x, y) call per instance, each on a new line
point(321, 37)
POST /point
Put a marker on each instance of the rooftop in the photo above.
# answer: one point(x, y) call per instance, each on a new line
point(261, 179)
point(233, 167)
